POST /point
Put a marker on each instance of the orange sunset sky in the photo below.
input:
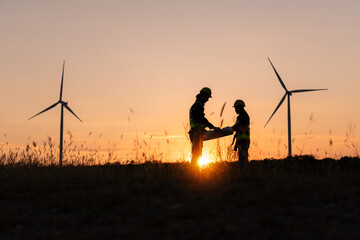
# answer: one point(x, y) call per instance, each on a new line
point(133, 68)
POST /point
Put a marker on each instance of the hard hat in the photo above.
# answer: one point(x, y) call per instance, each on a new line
point(239, 103)
point(206, 90)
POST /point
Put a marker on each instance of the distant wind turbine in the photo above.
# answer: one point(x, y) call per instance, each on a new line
point(288, 94)
point(63, 105)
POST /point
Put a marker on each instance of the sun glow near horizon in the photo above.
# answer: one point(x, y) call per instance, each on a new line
point(152, 58)
point(204, 161)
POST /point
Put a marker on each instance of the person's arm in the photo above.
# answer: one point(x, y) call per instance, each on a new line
point(199, 116)
point(242, 124)
point(235, 127)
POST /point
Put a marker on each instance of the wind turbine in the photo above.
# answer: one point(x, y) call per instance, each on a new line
point(287, 94)
point(63, 105)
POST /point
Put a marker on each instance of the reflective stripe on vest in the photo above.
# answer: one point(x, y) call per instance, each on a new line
point(243, 136)
point(193, 122)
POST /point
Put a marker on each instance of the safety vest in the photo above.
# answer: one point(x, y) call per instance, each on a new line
point(193, 122)
point(243, 136)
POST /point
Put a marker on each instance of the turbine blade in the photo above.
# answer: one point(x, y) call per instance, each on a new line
point(281, 101)
point(62, 80)
point(281, 82)
point(306, 90)
point(67, 107)
point(45, 110)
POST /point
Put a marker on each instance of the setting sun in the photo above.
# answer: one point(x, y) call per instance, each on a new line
point(167, 118)
point(203, 161)
point(153, 57)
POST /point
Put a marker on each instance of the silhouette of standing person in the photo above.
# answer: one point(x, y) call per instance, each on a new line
point(242, 132)
point(198, 123)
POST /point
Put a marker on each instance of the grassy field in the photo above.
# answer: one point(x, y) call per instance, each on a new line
point(302, 198)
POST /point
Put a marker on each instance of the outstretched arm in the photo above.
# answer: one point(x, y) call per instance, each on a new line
point(199, 116)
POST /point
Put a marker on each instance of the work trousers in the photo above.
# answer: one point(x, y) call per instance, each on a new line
point(196, 138)
point(243, 147)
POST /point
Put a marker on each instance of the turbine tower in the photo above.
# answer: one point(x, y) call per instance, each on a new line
point(287, 94)
point(63, 105)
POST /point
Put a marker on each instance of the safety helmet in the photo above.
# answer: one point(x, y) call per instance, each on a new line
point(239, 102)
point(206, 90)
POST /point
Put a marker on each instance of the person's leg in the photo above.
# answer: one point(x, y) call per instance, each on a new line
point(195, 152)
point(197, 144)
point(243, 147)
point(240, 156)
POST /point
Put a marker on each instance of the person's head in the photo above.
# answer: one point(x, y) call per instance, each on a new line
point(239, 105)
point(204, 95)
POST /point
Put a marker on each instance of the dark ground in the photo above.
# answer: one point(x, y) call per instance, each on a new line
point(288, 199)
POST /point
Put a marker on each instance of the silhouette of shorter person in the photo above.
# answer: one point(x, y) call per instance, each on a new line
point(242, 133)
point(198, 123)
